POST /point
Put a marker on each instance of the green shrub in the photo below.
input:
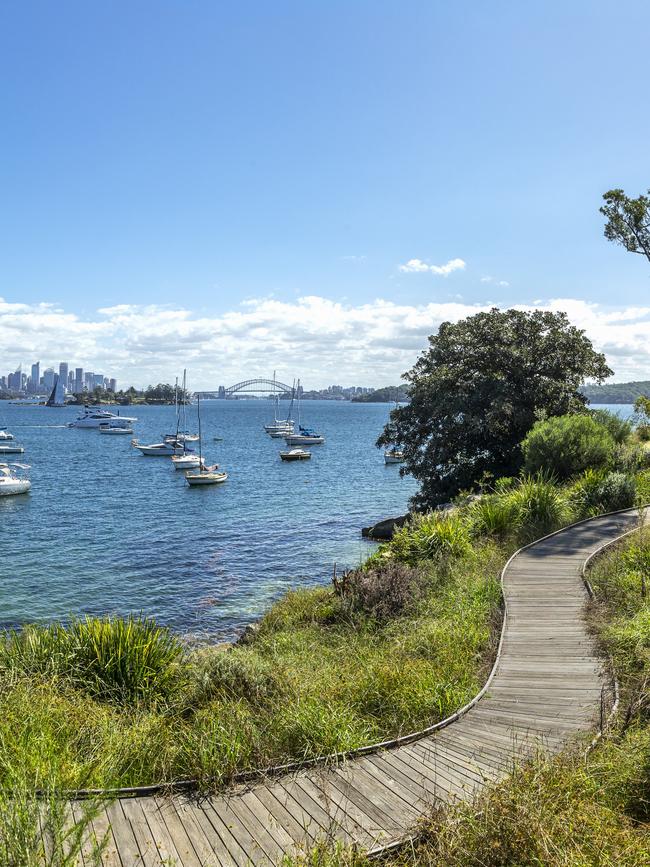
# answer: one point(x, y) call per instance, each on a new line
point(115, 659)
point(567, 445)
point(494, 515)
point(436, 535)
point(540, 506)
point(596, 492)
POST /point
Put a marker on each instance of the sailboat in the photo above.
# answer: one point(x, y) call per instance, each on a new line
point(170, 445)
point(279, 427)
point(203, 475)
point(394, 455)
point(306, 436)
point(57, 396)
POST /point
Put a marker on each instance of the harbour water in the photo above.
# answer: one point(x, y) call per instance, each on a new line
point(106, 530)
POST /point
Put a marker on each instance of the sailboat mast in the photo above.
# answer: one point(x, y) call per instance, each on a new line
point(198, 410)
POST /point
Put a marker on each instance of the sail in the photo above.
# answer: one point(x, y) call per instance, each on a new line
point(57, 398)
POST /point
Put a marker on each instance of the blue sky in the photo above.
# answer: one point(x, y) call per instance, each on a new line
point(186, 157)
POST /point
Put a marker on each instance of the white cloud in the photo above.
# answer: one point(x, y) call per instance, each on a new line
point(313, 337)
point(488, 279)
point(418, 266)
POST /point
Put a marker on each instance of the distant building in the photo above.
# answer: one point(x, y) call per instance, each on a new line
point(89, 380)
point(35, 379)
point(48, 378)
point(63, 373)
point(98, 380)
point(78, 380)
point(112, 384)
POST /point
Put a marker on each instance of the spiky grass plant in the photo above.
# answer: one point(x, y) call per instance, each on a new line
point(122, 660)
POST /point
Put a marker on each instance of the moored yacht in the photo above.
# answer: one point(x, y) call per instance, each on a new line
point(93, 417)
point(10, 483)
point(164, 449)
point(5, 435)
point(306, 436)
point(393, 456)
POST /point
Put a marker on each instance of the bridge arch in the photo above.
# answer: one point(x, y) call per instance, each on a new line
point(271, 386)
point(252, 386)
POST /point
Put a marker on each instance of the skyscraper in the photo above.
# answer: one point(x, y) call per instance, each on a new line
point(48, 378)
point(78, 380)
point(35, 380)
point(63, 373)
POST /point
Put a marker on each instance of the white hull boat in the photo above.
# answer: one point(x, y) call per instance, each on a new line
point(295, 455)
point(12, 449)
point(5, 435)
point(304, 440)
point(94, 418)
point(186, 462)
point(158, 450)
point(205, 477)
point(10, 483)
point(393, 456)
point(115, 430)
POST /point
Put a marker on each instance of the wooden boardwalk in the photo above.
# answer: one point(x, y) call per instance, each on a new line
point(545, 690)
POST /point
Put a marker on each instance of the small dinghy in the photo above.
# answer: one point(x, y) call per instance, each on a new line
point(295, 455)
point(10, 483)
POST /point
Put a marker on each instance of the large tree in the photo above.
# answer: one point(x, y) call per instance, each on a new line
point(478, 390)
point(628, 221)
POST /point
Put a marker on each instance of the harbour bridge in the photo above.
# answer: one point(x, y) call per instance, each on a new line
point(250, 386)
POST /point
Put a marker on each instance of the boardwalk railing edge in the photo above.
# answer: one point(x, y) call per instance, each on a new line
point(339, 758)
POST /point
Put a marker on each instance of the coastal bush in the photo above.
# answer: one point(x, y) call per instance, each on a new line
point(597, 491)
point(567, 445)
point(540, 506)
point(122, 660)
point(495, 514)
point(436, 536)
point(384, 589)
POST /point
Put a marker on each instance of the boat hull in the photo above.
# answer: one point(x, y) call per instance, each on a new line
point(196, 480)
point(299, 440)
point(158, 450)
point(10, 487)
point(11, 450)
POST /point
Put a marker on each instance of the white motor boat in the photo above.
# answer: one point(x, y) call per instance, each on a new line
point(163, 450)
point(187, 462)
point(393, 456)
point(93, 417)
point(5, 435)
point(108, 428)
point(11, 449)
point(10, 483)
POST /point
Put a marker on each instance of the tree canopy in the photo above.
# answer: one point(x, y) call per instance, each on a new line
point(478, 390)
point(628, 221)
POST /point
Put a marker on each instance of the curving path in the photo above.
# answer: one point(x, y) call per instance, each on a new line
point(546, 688)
